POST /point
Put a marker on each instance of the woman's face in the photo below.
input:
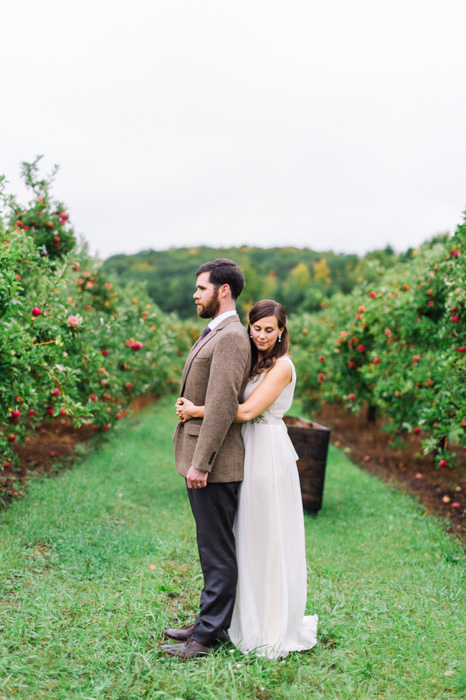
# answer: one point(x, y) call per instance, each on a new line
point(265, 332)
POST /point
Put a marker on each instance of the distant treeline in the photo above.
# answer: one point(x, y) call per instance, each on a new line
point(300, 278)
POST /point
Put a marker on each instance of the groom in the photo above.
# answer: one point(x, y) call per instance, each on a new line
point(209, 451)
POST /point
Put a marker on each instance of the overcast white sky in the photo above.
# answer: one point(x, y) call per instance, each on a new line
point(333, 124)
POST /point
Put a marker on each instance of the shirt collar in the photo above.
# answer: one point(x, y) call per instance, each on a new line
point(218, 319)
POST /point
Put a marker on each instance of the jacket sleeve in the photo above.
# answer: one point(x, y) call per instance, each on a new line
point(229, 366)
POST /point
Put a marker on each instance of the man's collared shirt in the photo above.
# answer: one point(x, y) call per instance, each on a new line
point(218, 319)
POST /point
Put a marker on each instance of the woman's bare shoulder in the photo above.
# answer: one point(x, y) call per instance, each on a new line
point(280, 368)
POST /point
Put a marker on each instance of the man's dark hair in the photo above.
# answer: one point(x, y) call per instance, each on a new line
point(224, 271)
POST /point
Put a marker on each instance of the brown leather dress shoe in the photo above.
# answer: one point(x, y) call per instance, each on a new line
point(164, 647)
point(181, 635)
point(188, 650)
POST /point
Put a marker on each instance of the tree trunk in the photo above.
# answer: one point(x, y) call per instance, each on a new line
point(372, 412)
point(442, 443)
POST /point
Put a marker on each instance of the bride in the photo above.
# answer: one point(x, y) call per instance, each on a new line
point(268, 617)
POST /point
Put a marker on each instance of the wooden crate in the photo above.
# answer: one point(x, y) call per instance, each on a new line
point(310, 441)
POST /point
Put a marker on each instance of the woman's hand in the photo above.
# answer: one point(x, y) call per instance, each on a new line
point(185, 409)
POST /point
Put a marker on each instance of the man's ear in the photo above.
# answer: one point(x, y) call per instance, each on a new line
point(224, 290)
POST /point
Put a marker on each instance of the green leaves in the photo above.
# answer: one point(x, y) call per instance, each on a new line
point(399, 344)
point(66, 325)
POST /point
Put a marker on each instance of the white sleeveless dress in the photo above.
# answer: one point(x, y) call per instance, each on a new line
point(268, 617)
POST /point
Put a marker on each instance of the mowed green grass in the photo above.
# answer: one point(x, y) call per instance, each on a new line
point(95, 562)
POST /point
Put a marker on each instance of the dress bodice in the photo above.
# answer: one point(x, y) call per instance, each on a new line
point(282, 404)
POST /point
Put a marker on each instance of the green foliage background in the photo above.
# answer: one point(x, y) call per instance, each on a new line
point(300, 278)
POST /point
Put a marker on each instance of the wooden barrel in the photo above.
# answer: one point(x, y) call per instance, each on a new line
point(310, 441)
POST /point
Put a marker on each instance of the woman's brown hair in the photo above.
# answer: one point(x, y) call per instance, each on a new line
point(264, 308)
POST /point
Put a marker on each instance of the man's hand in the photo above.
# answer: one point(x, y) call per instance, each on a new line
point(185, 409)
point(196, 479)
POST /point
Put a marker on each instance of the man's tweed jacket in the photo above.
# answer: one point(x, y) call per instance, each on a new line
point(215, 376)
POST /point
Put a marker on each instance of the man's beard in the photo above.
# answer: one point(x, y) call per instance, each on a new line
point(210, 309)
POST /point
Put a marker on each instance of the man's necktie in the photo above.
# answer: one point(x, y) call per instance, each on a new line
point(205, 332)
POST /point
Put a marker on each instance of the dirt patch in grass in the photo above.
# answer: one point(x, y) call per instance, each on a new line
point(51, 449)
point(401, 462)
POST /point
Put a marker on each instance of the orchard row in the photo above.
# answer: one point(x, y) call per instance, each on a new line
point(72, 343)
point(398, 348)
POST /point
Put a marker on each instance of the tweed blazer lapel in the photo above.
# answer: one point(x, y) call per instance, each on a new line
point(200, 344)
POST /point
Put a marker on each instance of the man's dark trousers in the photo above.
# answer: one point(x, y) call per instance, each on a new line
point(214, 509)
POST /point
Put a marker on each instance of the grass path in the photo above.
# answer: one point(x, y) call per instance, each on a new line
point(82, 611)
